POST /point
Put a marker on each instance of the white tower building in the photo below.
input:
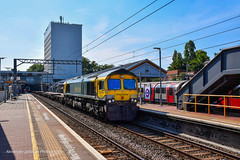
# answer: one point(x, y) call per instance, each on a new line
point(63, 41)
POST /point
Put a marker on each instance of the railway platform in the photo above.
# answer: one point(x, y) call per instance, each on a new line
point(214, 129)
point(231, 121)
point(28, 130)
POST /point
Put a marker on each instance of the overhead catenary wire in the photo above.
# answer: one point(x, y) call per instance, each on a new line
point(128, 27)
point(113, 28)
point(202, 49)
point(175, 45)
point(120, 23)
point(182, 35)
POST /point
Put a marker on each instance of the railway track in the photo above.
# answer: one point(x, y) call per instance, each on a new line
point(145, 141)
point(104, 145)
point(191, 149)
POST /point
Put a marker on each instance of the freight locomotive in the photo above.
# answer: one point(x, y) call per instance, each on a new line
point(110, 94)
point(151, 91)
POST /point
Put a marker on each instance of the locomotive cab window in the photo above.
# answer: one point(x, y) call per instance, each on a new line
point(114, 84)
point(101, 85)
point(129, 83)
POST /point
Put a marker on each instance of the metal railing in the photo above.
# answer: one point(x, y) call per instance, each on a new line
point(208, 96)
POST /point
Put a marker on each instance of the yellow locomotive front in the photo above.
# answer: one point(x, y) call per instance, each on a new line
point(121, 96)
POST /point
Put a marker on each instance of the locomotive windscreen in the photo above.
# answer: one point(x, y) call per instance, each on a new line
point(114, 84)
point(129, 83)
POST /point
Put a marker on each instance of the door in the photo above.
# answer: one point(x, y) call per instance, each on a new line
point(170, 93)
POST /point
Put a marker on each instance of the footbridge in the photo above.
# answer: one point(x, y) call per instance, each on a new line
point(219, 76)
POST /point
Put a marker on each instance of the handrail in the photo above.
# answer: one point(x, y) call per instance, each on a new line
point(208, 103)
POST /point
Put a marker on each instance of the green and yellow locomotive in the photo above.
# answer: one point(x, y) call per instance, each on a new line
point(110, 94)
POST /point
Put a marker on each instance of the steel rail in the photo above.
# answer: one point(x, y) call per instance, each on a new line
point(196, 144)
point(162, 144)
point(192, 143)
point(94, 131)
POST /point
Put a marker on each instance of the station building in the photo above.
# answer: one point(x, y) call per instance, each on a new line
point(145, 69)
point(63, 41)
point(31, 80)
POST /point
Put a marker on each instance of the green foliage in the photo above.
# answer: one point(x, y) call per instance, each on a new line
point(189, 52)
point(36, 68)
point(198, 62)
point(174, 78)
point(194, 59)
point(182, 76)
point(177, 61)
point(91, 66)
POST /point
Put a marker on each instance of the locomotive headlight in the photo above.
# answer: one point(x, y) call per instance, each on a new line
point(134, 100)
point(109, 101)
point(113, 100)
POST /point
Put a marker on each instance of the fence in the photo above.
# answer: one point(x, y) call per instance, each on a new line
point(226, 99)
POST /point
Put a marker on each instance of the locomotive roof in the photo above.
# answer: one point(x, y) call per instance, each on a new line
point(104, 73)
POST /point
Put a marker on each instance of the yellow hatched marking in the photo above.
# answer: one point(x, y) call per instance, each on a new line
point(34, 142)
point(53, 148)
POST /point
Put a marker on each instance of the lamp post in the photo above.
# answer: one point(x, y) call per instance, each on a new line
point(0, 66)
point(160, 74)
point(4, 82)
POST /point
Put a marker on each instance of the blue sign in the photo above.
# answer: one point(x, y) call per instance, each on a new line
point(147, 92)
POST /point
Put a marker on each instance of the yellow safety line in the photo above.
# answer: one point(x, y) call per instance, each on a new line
point(51, 143)
point(34, 142)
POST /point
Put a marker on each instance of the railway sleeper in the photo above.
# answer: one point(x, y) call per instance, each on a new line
point(191, 150)
point(201, 153)
point(213, 158)
point(181, 147)
point(174, 143)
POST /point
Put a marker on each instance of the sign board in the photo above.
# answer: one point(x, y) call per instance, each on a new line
point(147, 93)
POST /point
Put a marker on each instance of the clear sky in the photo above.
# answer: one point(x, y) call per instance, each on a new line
point(22, 24)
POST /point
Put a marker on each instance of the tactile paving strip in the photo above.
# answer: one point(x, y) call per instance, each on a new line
point(53, 148)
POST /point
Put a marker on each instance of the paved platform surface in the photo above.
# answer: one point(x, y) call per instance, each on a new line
point(28, 130)
point(229, 120)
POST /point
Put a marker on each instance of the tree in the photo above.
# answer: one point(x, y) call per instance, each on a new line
point(195, 60)
point(91, 66)
point(189, 52)
point(177, 61)
point(36, 68)
point(198, 62)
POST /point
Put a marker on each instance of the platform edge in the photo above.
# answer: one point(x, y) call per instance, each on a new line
point(89, 148)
